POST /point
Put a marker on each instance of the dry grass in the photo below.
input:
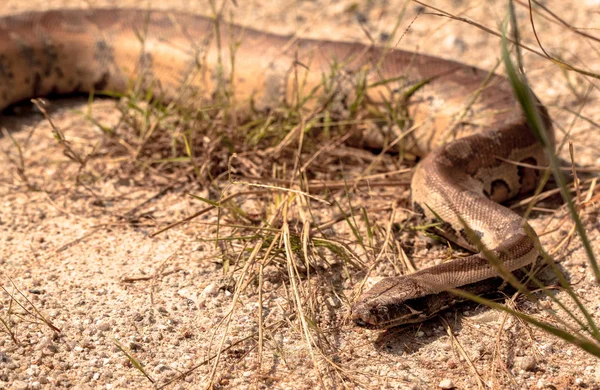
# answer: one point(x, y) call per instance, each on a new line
point(324, 217)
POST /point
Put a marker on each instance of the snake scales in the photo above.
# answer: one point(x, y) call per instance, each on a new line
point(464, 122)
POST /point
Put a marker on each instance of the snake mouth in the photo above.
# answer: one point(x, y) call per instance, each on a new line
point(364, 319)
point(369, 321)
point(381, 325)
point(360, 321)
point(363, 324)
point(398, 322)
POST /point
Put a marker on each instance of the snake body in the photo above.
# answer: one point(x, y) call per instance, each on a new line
point(463, 121)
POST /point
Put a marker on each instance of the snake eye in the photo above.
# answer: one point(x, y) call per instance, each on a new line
point(381, 311)
point(361, 323)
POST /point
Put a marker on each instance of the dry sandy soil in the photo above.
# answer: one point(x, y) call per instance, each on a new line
point(114, 292)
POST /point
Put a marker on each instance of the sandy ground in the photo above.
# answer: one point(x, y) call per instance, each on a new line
point(108, 286)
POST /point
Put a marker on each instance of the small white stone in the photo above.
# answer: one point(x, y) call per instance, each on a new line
point(589, 369)
point(211, 289)
point(33, 370)
point(446, 384)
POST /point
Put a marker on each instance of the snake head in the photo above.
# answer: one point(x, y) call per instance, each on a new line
point(392, 302)
point(409, 299)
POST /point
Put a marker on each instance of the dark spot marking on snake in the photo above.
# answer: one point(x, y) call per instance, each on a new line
point(58, 72)
point(516, 226)
point(146, 60)
point(105, 53)
point(5, 68)
point(465, 236)
point(28, 53)
point(37, 85)
point(145, 63)
point(417, 208)
point(78, 87)
point(192, 68)
point(50, 57)
point(102, 82)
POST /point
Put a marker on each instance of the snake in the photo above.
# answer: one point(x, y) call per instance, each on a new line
point(474, 146)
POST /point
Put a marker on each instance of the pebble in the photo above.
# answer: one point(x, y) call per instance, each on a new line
point(547, 348)
point(44, 342)
point(446, 346)
point(212, 289)
point(103, 325)
point(33, 370)
point(162, 368)
point(20, 385)
point(486, 317)
point(134, 346)
point(446, 384)
point(527, 363)
point(162, 310)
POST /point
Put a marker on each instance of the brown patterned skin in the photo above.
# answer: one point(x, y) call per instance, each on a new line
point(463, 120)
